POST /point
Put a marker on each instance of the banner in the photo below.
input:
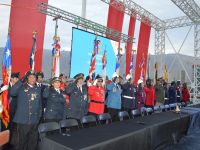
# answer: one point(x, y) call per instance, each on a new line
point(130, 45)
point(24, 19)
point(115, 18)
point(142, 51)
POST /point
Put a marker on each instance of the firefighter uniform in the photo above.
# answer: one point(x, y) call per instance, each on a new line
point(27, 114)
point(97, 98)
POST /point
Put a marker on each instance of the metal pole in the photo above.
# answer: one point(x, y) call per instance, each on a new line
point(84, 3)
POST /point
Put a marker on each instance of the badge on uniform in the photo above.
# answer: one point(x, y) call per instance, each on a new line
point(33, 96)
point(114, 89)
point(85, 97)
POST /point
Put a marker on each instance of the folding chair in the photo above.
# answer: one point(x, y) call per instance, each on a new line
point(123, 115)
point(89, 120)
point(135, 113)
point(105, 117)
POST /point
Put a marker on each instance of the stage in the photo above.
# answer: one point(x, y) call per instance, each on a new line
point(156, 131)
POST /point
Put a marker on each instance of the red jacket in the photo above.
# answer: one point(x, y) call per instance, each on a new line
point(97, 98)
point(185, 95)
point(150, 96)
point(62, 87)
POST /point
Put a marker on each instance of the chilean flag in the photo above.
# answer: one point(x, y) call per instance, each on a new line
point(6, 73)
point(118, 62)
point(32, 55)
point(56, 59)
point(131, 65)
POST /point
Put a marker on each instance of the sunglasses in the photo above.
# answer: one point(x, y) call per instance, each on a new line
point(99, 81)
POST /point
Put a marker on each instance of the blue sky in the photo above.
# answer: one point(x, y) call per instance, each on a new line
point(97, 11)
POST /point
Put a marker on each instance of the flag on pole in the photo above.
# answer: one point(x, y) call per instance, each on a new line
point(131, 68)
point(6, 73)
point(156, 71)
point(104, 62)
point(96, 50)
point(142, 68)
point(56, 57)
point(33, 50)
point(166, 74)
point(118, 61)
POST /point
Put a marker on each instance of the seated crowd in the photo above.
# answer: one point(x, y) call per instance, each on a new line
point(33, 102)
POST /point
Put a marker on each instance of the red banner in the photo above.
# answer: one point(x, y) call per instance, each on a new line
point(115, 18)
point(142, 51)
point(24, 19)
point(129, 45)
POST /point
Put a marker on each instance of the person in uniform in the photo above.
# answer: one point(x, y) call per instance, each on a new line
point(63, 85)
point(78, 99)
point(172, 93)
point(28, 112)
point(13, 105)
point(40, 77)
point(159, 89)
point(150, 94)
point(140, 94)
point(113, 100)
point(178, 91)
point(96, 93)
point(128, 95)
point(56, 104)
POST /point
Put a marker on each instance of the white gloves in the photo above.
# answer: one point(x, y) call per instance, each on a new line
point(4, 88)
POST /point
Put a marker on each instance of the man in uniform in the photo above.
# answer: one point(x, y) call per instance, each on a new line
point(40, 78)
point(28, 111)
point(78, 100)
point(128, 95)
point(13, 105)
point(159, 89)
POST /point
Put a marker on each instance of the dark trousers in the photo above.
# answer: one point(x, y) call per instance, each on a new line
point(114, 113)
point(27, 137)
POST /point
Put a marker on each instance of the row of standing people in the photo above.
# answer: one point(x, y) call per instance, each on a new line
point(74, 101)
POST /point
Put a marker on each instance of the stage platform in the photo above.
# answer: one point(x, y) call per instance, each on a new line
point(153, 132)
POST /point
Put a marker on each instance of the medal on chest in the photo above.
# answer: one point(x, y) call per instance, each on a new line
point(33, 96)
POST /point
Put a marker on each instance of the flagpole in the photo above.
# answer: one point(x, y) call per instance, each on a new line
point(34, 36)
point(54, 38)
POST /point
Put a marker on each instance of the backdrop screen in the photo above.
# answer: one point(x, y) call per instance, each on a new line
point(82, 48)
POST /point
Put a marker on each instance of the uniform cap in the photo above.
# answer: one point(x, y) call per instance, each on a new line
point(115, 75)
point(140, 81)
point(128, 77)
point(79, 76)
point(30, 73)
point(55, 79)
point(15, 75)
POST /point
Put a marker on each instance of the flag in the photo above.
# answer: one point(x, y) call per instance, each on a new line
point(96, 50)
point(6, 73)
point(56, 58)
point(131, 68)
point(142, 68)
point(104, 62)
point(32, 55)
point(166, 73)
point(118, 62)
point(156, 71)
